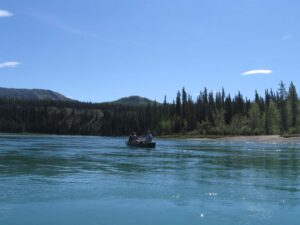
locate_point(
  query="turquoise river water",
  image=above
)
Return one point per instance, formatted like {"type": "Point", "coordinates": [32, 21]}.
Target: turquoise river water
{"type": "Point", "coordinates": [73, 180]}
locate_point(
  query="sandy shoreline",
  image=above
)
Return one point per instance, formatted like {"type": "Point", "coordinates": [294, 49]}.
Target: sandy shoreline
{"type": "Point", "coordinates": [261, 138]}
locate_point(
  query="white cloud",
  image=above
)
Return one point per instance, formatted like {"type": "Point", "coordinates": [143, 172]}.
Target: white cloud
{"type": "Point", "coordinates": [9, 64]}
{"type": "Point", "coordinates": [5, 13]}
{"type": "Point", "coordinates": [256, 72]}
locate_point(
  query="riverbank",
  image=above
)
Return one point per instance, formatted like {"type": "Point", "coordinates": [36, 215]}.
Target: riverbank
{"type": "Point", "coordinates": [295, 138]}
{"type": "Point", "coordinates": [257, 138]}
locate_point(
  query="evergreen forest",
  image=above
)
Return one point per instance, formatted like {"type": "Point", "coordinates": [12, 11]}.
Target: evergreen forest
{"type": "Point", "coordinates": [276, 112]}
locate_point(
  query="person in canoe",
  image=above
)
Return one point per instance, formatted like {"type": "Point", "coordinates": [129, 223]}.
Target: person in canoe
{"type": "Point", "coordinates": [141, 142]}
{"type": "Point", "coordinates": [133, 138]}
{"type": "Point", "coordinates": [148, 137]}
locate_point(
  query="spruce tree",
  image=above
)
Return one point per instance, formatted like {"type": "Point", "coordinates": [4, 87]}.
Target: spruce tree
{"type": "Point", "coordinates": [228, 110]}
{"type": "Point", "coordinates": [254, 119]}
{"type": "Point", "coordinates": [184, 104]}
{"type": "Point", "coordinates": [267, 115]}
{"type": "Point", "coordinates": [293, 105]}
{"type": "Point", "coordinates": [282, 95]}
{"type": "Point", "coordinates": [178, 104]}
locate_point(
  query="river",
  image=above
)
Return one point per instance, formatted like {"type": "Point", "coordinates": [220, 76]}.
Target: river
{"type": "Point", "coordinates": [72, 180]}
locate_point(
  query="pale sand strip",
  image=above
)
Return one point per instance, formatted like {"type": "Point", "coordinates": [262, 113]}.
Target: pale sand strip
{"type": "Point", "coordinates": [261, 138]}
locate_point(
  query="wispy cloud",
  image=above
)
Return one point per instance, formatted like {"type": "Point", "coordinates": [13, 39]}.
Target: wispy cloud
{"type": "Point", "coordinates": [286, 37]}
{"type": "Point", "coordinates": [5, 13]}
{"type": "Point", "coordinates": [256, 72]}
{"type": "Point", "coordinates": [56, 23]}
{"type": "Point", "coordinates": [9, 64]}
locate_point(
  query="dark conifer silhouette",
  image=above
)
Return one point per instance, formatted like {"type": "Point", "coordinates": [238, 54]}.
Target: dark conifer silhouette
{"type": "Point", "coordinates": [210, 113]}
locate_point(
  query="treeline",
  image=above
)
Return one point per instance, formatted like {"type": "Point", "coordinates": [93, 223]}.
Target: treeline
{"type": "Point", "coordinates": [50, 117]}
{"type": "Point", "coordinates": [277, 112]}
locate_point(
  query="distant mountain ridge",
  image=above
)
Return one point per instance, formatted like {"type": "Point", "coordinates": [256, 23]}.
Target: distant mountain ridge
{"type": "Point", "coordinates": [44, 94]}
{"type": "Point", "coordinates": [133, 100]}
{"type": "Point", "coordinates": [38, 94]}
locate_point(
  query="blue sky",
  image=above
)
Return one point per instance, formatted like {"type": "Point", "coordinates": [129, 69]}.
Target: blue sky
{"type": "Point", "coordinates": [100, 50]}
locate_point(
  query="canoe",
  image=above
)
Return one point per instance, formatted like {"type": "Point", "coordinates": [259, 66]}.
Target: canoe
{"type": "Point", "coordinates": [141, 144]}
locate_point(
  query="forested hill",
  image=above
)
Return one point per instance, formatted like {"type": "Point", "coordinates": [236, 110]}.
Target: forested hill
{"type": "Point", "coordinates": [132, 100]}
{"type": "Point", "coordinates": [276, 112]}
{"type": "Point", "coordinates": [31, 94]}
